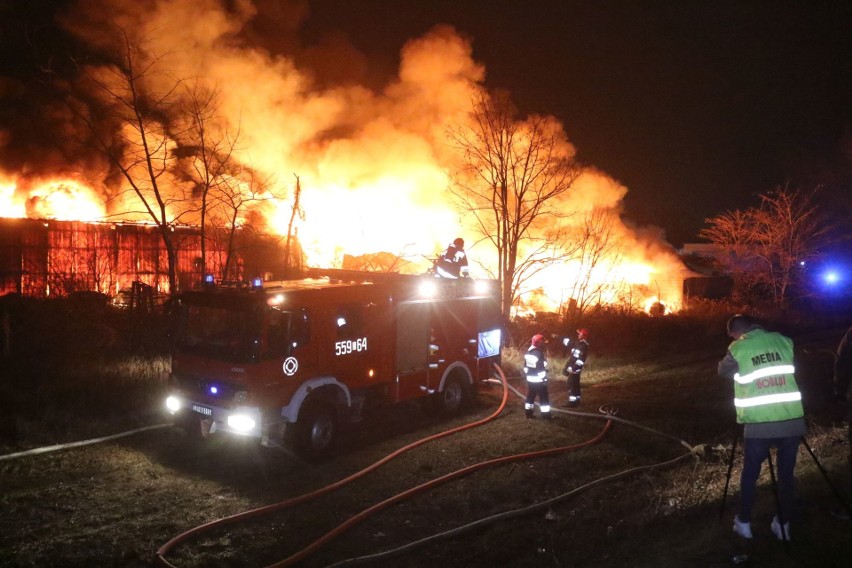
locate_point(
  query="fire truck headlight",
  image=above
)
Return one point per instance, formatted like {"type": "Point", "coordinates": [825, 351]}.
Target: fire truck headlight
{"type": "Point", "coordinates": [241, 422]}
{"type": "Point", "coordinates": [481, 286]}
{"type": "Point", "coordinates": [173, 404]}
{"type": "Point", "coordinates": [427, 289]}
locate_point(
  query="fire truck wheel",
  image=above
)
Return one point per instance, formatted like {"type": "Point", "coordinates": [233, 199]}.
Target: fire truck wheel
{"type": "Point", "coordinates": [453, 397]}
{"type": "Point", "coordinates": [316, 429]}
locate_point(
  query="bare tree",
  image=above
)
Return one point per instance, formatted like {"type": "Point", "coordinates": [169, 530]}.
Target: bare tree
{"type": "Point", "coordinates": [139, 144]}
{"type": "Point", "coordinates": [766, 245]}
{"type": "Point", "coordinates": [207, 150]}
{"type": "Point", "coordinates": [230, 205]}
{"type": "Point", "coordinates": [597, 246]}
{"type": "Point", "coordinates": [512, 173]}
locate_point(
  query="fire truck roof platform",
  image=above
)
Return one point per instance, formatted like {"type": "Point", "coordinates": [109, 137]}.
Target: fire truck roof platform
{"type": "Point", "coordinates": [421, 286]}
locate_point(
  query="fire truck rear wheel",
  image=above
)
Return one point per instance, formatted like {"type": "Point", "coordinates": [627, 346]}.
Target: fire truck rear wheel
{"type": "Point", "coordinates": [316, 429]}
{"type": "Point", "coordinates": [454, 396]}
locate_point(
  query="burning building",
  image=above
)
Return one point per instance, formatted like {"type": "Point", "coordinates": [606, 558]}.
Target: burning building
{"type": "Point", "coordinates": [49, 258]}
{"type": "Point", "coordinates": [374, 163]}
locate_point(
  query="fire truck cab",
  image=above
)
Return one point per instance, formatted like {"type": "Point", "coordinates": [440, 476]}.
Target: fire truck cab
{"type": "Point", "coordinates": [298, 360]}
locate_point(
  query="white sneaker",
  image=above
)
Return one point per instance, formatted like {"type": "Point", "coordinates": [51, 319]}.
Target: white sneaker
{"type": "Point", "coordinates": [741, 528]}
{"type": "Point", "coordinates": [776, 529]}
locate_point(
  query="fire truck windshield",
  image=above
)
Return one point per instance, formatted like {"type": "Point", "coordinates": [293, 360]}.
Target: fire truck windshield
{"type": "Point", "coordinates": [218, 332]}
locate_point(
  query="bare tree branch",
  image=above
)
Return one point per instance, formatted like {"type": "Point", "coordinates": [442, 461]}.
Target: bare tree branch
{"type": "Point", "coordinates": [511, 175]}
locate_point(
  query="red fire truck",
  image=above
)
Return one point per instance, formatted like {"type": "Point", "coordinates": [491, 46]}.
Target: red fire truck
{"type": "Point", "coordinates": [298, 360]}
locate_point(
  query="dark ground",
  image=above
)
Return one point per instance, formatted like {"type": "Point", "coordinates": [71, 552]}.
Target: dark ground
{"type": "Point", "coordinates": [116, 503]}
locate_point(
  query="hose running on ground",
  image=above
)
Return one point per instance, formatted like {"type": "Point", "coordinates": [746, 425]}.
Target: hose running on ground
{"type": "Point", "coordinates": [69, 445]}
{"type": "Point", "coordinates": [479, 523]}
{"type": "Point", "coordinates": [357, 518]}
{"type": "Point", "coordinates": [164, 550]}
{"type": "Point", "coordinates": [609, 417]}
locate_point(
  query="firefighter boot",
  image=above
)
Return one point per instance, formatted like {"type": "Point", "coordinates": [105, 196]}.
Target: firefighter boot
{"type": "Point", "coordinates": [528, 413]}
{"type": "Point", "coordinates": [546, 416]}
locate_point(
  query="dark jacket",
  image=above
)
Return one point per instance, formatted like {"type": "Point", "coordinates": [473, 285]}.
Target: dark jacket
{"type": "Point", "coordinates": [578, 350]}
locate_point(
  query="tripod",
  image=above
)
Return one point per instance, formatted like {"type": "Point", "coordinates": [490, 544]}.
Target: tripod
{"type": "Point", "coordinates": [822, 470]}
{"type": "Point", "coordinates": [840, 499]}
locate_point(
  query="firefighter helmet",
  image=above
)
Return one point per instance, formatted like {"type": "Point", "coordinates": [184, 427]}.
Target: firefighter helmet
{"type": "Point", "coordinates": [538, 340]}
{"type": "Point", "coordinates": [583, 333]}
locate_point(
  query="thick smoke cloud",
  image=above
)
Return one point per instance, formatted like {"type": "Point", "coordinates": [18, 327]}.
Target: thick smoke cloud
{"type": "Point", "coordinates": [370, 159]}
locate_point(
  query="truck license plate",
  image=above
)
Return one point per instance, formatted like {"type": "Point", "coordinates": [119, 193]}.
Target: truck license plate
{"type": "Point", "coordinates": [202, 410]}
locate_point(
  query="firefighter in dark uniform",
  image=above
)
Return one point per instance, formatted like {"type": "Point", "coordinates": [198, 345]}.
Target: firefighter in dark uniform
{"type": "Point", "coordinates": [535, 370]}
{"type": "Point", "coordinates": [578, 350]}
{"type": "Point", "coordinates": [453, 262]}
{"type": "Point", "coordinates": [769, 405]}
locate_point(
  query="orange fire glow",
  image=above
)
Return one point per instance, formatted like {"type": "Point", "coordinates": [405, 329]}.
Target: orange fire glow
{"type": "Point", "coordinates": [61, 199]}
{"type": "Point", "coordinates": [381, 186]}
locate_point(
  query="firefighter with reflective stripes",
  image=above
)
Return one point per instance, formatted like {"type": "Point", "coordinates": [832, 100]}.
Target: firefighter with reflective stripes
{"type": "Point", "coordinates": [578, 350]}
{"type": "Point", "coordinates": [535, 370]}
{"type": "Point", "coordinates": [769, 405]}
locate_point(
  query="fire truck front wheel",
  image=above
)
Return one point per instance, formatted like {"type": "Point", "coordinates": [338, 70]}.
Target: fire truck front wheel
{"type": "Point", "coordinates": [316, 429]}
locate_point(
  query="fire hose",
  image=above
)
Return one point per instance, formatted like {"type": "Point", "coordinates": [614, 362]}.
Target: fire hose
{"type": "Point", "coordinates": [163, 550]}
{"type": "Point", "coordinates": [314, 546]}
{"type": "Point", "coordinates": [479, 523]}
{"type": "Point", "coordinates": [317, 544]}
{"type": "Point", "coordinates": [46, 449]}
{"type": "Point", "coordinates": [605, 414]}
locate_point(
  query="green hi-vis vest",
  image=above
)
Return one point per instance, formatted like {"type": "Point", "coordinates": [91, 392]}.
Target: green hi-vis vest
{"type": "Point", "coordinates": [765, 388]}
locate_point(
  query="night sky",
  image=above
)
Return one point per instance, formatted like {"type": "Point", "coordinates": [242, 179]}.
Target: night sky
{"type": "Point", "coordinates": [696, 107]}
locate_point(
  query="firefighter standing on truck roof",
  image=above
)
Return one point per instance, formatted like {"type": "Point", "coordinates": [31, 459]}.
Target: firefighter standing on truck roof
{"type": "Point", "coordinates": [453, 262]}
{"type": "Point", "coordinates": [578, 350]}
{"type": "Point", "coordinates": [535, 370]}
{"type": "Point", "coordinates": [769, 404]}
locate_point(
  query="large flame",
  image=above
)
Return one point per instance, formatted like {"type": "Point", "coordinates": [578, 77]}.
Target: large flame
{"type": "Point", "coordinates": [374, 167]}
{"type": "Point", "coordinates": [61, 199]}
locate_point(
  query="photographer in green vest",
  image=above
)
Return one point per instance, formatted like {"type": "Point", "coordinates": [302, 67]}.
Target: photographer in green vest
{"type": "Point", "coordinates": [769, 406]}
